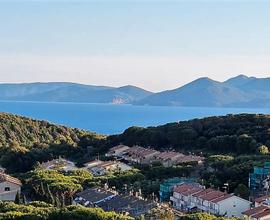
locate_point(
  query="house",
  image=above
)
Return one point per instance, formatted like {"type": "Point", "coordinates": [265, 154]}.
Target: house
{"type": "Point", "coordinates": [99, 167]}
{"type": "Point", "coordinates": [141, 155]}
{"type": "Point", "coordinates": [166, 187]}
{"type": "Point", "coordinates": [262, 200]}
{"type": "Point", "coordinates": [258, 213]}
{"type": "Point", "coordinates": [137, 154]}
{"type": "Point", "coordinates": [110, 200]}
{"type": "Point", "coordinates": [9, 187]}
{"type": "Point", "coordinates": [190, 159]}
{"type": "Point", "coordinates": [188, 197]}
{"type": "Point", "coordinates": [168, 158]}
{"type": "Point", "coordinates": [128, 204]}
{"type": "Point", "coordinates": [59, 164]}
{"type": "Point", "coordinates": [93, 197]}
{"type": "Point", "coordinates": [117, 151]}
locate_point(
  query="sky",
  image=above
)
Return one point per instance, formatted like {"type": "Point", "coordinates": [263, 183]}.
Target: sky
{"type": "Point", "coordinates": [156, 45]}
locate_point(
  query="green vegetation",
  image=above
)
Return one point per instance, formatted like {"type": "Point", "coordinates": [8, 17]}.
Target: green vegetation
{"type": "Point", "coordinates": [234, 134]}
{"type": "Point", "coordinates": [43, 211]}
{"type": "Point", "coordinates": [231, 170]}
{"type": "Point", "coordinates": [145, 178]}
{"type": "Point", "coordinates": [233, 145]}
{"type": "Point", "coordinates": [55, 187]}
{"type": "Point", "coordinates": [24, 141]}
{"type": "Point", "coordinates": [204, 216]}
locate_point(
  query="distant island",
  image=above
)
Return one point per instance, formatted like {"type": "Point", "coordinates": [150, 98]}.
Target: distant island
{"type": "Point", "coordinates": [240, 91]}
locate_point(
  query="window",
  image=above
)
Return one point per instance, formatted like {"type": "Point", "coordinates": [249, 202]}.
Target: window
{"type": "Point", "coordinates": [7, 188]}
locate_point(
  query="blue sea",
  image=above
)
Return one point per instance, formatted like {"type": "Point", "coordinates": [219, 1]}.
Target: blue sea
{"type": "Point", "coordinates": [113, 119]}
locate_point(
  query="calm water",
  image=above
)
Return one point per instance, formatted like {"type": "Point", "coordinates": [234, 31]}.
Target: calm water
{"type": "Point", "coordinates": [112, 119]}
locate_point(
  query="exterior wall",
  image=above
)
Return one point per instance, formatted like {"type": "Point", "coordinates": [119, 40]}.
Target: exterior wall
{"type": "Point", "coordinates": [233, 206]}
{"type": "Point", "coordinates": [257, 204]}
{"type": "Point", "coordinates": [265, 218]}
{"type": "Point", "coordinates": [12, 186]}
{"type": "Point", "coordinates": [9, 195]}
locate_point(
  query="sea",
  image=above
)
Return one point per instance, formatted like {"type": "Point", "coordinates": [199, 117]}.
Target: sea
{"type": "Point", "coordinates": [113, 119]}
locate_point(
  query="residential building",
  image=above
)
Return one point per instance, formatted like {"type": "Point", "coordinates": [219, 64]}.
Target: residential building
{"type": "Point", "coordinates": [110, 200]}
{"type": "Point", "coordinates": [59, 164]}
{"type": "Point", "coordinates": [188, 197]}
{"type": "Point", "coordinates": [258, 213]}
{"type": "Point", "coordinates": [99, 167]}
{"type": "Point", "coordinates": [9, 187]}
{"type": "Point", "coordinates": [166, 188]}
{"type": "Point", "coordinates": [190, 159]}
{"type": "Point", "coordinates": [117, 151]}
{"type": "Point", "coordinates": [168, 158]}
{"type": "Point", "coordinates": [93, 197]}
{"type": "Point", "coordinates": [140, 155]}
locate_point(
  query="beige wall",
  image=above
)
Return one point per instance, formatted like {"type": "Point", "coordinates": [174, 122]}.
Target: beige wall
{"type": "Point", "coordinates": [8, 195]}
{"type": "Point", "coordinates": [233, 206]}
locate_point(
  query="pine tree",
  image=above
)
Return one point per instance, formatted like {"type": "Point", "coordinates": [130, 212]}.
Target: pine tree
{"type": "Point", "coordinates": [18, 198]}
{"type": "Point", "coordinates": [24, 201]}
{"type": "Point", "coordinates": [50, 195]}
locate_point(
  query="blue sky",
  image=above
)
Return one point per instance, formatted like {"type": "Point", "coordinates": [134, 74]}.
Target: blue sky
{"type": "Point", "coordinates": [153, 44]}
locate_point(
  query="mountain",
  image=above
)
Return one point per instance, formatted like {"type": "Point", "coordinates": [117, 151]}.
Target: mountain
{"type": "Point", "coordinates": [70, 92]}
{"type": "Point", "coordinates": [240, 91]}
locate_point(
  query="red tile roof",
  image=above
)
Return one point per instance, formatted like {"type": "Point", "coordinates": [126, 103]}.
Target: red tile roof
{"type": "Point", "coordinates": [256, 210]}
{"type": "Point", "coordinates": [262, 199]}
{"type": "Point", "coordinates": [262, 214]}
{"type": "Point", "coordinates": [169, 155]}
{"type": "Point", "coordinates": [226, 196]}
{"type": "Point", "coordinates": [118, 147]}
{"type": "Point", "coordinates": [140, 151]}
{"type": "Point", "coordinates": [7, 178]}
{"type": "Point", "coordinates": [209, 194]}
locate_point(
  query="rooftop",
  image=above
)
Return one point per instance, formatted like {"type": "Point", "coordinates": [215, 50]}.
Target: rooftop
{"type": "Point", "coordinates": [258, 212]}
{"type": "Point", "coordinates": [7, 178]}
{"type": "Point", "coordinates": [199, 191]}
{"type": "Point", "coordinates": [95, 195]}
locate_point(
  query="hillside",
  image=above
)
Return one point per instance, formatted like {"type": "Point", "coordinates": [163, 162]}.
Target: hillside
{"type": "Point", "coordinates": [25, 141]}
{"type": "Point", "coordinates": [70, 92]}
{"type": "Point", "coordinates": [236, 134]}
{"type": "Point", "coordinates": [240, 91]}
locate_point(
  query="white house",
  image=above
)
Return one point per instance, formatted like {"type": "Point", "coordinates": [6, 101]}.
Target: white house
{"type": "Point", "coordinates": [193, 196]}
{"type": "Point", "coordinates": [9, 187]}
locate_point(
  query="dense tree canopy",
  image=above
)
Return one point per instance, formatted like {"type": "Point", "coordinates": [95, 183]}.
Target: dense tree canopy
{"type": "Point", "coordinates": [43, 211]}
{"type": "Point", "coordinates": [237, 134]}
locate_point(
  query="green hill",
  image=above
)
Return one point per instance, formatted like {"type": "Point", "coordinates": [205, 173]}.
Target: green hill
{"type": "Point", "coordinates": [25, 141]}
{"type": "Point", "coordinates": [237, 134]}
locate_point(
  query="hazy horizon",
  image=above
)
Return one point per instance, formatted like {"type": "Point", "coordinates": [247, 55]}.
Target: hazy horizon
{"type": "Point", "coordinates": [155, 45]}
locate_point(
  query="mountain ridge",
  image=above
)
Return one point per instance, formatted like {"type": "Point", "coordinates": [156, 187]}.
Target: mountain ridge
{"type": "Point", "coordinates": [239, 91]}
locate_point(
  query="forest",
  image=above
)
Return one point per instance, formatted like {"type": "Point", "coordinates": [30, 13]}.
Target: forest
{"type": "Point", "coordinates": [231, 134]}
